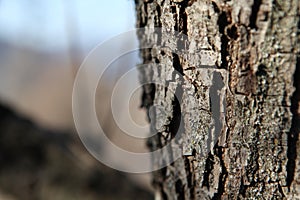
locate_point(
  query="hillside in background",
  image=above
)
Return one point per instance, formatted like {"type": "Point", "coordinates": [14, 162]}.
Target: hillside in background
{"type": "Point", "coordinates": [40, 164]}
{"type": "Point", "coordinates": [41, 155]}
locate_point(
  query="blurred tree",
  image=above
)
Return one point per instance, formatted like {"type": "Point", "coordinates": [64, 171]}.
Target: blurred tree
{"type": "Point", "coordinates": [253, 48]}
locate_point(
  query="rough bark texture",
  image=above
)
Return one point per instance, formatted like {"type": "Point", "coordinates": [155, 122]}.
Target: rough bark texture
{"type": "Point", "coordinates": [254, 47]}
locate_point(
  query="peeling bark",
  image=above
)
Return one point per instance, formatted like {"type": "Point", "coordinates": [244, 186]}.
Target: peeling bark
{"type": "Point", "coordinates": [253, 47]}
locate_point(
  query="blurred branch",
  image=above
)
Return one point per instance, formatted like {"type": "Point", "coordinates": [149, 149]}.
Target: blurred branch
{"type": "Point", "coordinates": [72, 34]}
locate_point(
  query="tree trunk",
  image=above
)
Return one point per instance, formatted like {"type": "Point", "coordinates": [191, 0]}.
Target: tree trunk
{"type": "Point", "coordinates": [240, 140]}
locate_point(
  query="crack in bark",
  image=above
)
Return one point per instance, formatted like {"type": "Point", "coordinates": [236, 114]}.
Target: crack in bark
{"type": "Point", "coordinates": [158, 21]}
{"type": "Point", "coordinates": [148, 96]}
{"type": "Point", "coordinates": [189, 177]}
{"type": "Point", "coordinates": [253, 16]}
{"type": "Point", "coordinates": [223, 22]}
{"type": "Point", "coordinates": [223, 174]}
{"type": "Point", "coordinates": [183, 16]}
{"type": "Point", "coordinates": [176, 122]}
{"type": "Point", "coordinates": [295, 128]}
{"type": "Point", "coordinates": [208, 169]}
{"type": "Point", "coordinates": [179, 189]}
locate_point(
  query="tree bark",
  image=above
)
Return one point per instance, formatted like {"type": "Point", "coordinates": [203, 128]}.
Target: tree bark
{"type": "Point", "coordinates": [254, 48]}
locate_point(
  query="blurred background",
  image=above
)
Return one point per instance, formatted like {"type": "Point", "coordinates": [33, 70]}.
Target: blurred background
{"type": "Point", "coordinates": [42, 45]}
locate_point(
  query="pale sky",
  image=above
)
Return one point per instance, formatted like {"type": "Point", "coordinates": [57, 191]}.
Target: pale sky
{"type": "Point", "coordinates": [53, 23]}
